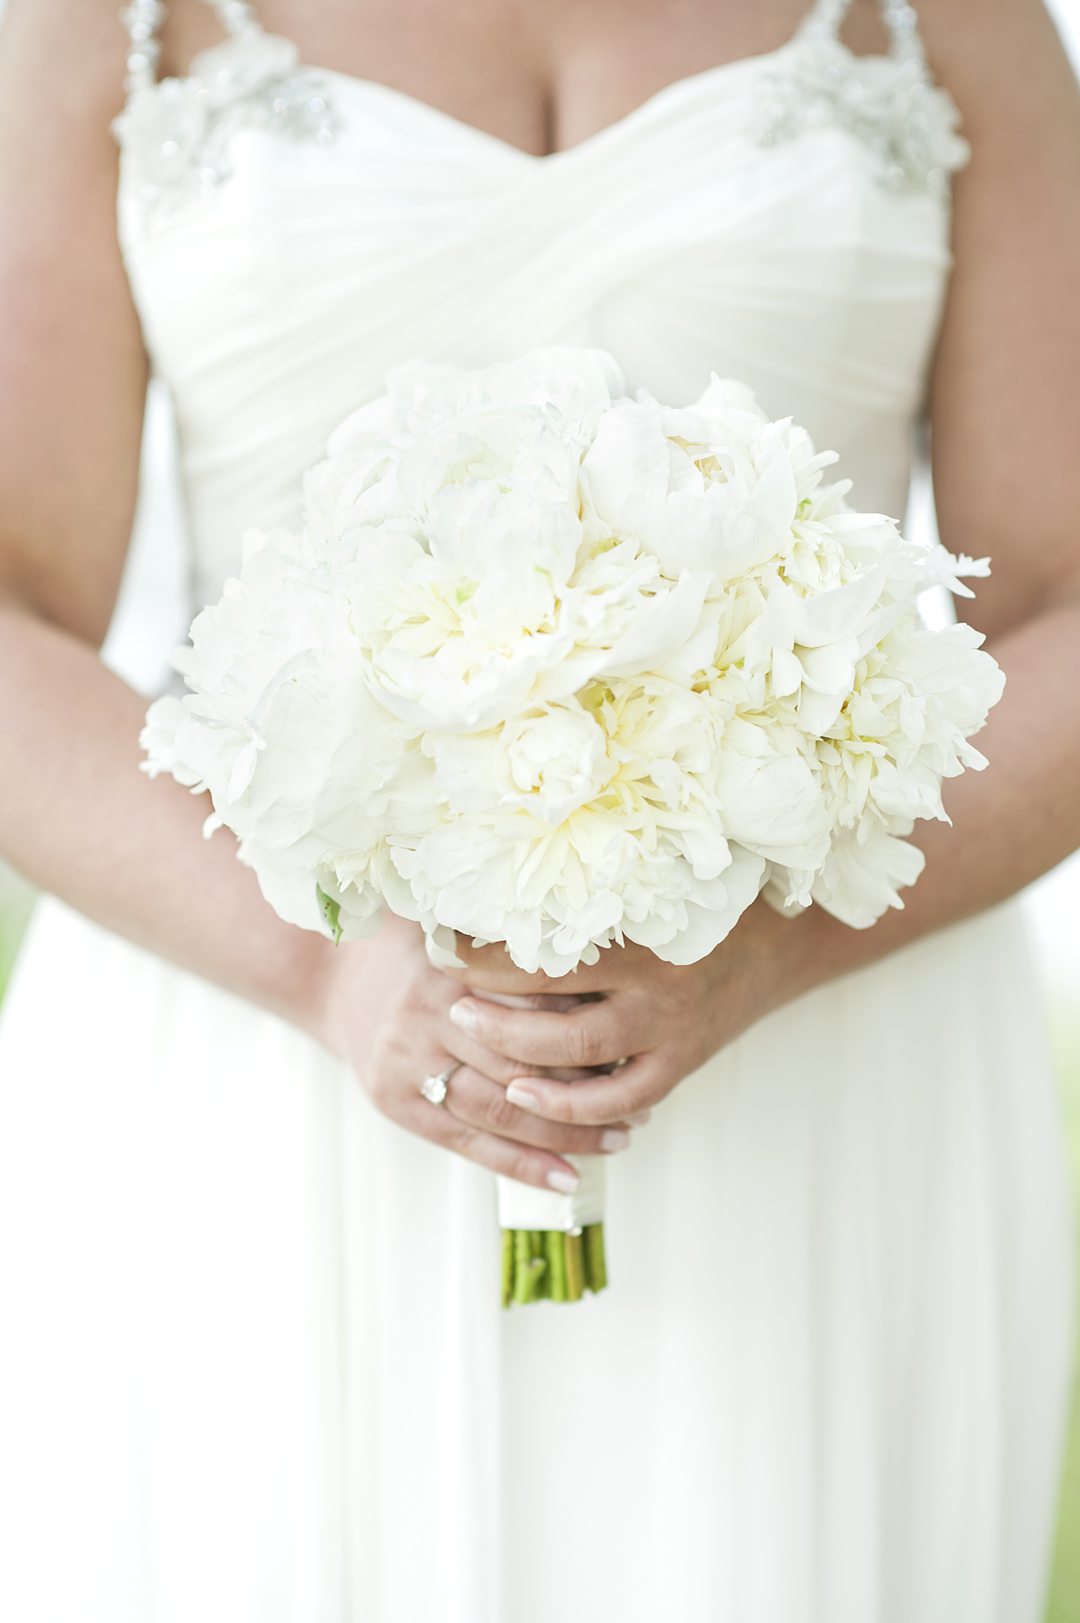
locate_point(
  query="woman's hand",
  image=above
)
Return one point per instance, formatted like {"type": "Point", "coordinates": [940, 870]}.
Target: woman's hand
{"type": "Point", "coordinates": [385, 1010]}
{"type": "Point", "coordinates": [655, 1022]}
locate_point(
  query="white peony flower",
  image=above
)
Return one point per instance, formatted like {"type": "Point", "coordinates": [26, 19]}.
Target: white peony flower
{"type": "Point", "coordinates": [280, 726]}
{"type": "Point", "coordinates": [557, 761]}
{"type": "Point", "coordinates": [861, 878]}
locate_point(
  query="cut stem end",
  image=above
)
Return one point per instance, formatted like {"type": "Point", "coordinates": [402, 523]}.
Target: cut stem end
{"type": "Point", "coordinates": [550, 1265]}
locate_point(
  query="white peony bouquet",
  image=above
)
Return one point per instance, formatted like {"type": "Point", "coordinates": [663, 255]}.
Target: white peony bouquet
{"type": "Point", "coordinates": [558, 666]}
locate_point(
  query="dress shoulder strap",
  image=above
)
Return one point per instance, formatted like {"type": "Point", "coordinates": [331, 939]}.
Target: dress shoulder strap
{"type": "Point", "coordinates": [143, 19]}
{"type": "Point", "coordinates": [888, 101]}
{"type": "Point", "coordinates": [826, 18]}
{"type": "Point", "coordinates": [176, 133]}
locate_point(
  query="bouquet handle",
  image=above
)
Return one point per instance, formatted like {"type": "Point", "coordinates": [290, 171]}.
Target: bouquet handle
{"type": "Point", "coordinates": [553, 1244]}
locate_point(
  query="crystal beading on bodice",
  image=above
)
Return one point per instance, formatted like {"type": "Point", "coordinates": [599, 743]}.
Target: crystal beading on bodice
{"type": "Point", "coordinates": [890, 103]}
{"type": "Point", "coordinates": [179, 131]}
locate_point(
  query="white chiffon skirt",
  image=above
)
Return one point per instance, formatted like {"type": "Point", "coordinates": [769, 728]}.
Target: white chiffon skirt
{"type": "Point", "coordinates": [253, 1367]}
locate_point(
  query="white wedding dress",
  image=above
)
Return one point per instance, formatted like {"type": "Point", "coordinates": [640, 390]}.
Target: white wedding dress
{"type": "Point", "coordinates": [253, 1367]}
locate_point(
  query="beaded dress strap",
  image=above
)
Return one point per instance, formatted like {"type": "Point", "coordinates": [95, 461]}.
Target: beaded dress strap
{"type": "Point", "coordinates": [143, 19]}
{"type": "Point", "coordinates": [826, 18]}
{"type": "Point", "coordinates": [176, 134]}
{"type": "Point", "coordinates": [887, 101]}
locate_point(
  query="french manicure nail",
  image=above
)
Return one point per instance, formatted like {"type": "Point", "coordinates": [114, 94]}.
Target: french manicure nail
{"type": "Point", "coordinates": [521, 1097]}
{"type": "Point", "coordinates": [463, 1014]}
{"type": "Point", "coordinates": [640, 1118]}
{"type": "Point", "coordinates": [614, 1138]}
{"type": "Point", "coordinates": [564, 1182]}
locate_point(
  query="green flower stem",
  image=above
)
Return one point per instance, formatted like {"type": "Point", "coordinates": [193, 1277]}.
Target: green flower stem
{"type": "Point", "coordinates": [538, 1285]}
{"type": "Point", "coordinates": [556, 1256]}
{"type": "Point", "coordinates": [537, 1266]}
{"type": "Point", "coordinates": [575, 1268]}
{"type": "Point", "coordinates": [507, 1267]}
{"type": "Point", "coordinates": [522, 1258]}
{"type": "Point", "coordinates": [595, 1260]}
{"type": "Point", "coordinates": [550, 1265]}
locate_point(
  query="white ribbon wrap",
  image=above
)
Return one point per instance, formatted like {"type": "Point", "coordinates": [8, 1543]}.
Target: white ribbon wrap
{"type": "Point", "coordinates": [521, 1206]}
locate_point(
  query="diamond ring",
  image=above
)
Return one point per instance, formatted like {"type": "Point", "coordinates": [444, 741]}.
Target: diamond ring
{"type": "Point", "coordinates": [434, 1087]}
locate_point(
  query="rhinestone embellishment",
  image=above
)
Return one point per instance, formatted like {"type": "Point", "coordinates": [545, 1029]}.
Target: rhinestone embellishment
{"type": "Point", "coordinates": [177, 133]}
{"type": "Point", "coordinates": [142, 19]}
{"type": "Point", "coordinates": [889, 103]}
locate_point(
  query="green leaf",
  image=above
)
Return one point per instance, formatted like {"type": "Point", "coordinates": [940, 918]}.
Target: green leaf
{"type": "Point", "coordinates": [331, 912]}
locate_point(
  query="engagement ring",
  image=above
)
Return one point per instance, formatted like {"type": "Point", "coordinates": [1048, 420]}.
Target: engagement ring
{"type": "Point", "coordinates": [434, 1087]}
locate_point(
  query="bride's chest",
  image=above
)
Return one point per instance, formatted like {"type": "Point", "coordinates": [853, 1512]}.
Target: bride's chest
{"type": "Point", "coordinates": [292, 179]}
{"type": "Point", "coordinates": [541, 79]}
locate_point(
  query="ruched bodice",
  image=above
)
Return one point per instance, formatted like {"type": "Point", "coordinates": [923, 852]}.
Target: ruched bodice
{"type": "Point", "coordinates": [685, 238]}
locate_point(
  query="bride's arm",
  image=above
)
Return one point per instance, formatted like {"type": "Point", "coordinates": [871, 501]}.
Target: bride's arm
{"type": "Point", "coordinates": [1005, 416]}
{"type": "Point", "coordinates": [76, 815]}
{"type": "Point", "coordinates": [1005, 411]}
{"type": "Point", "coordinates": [1005, 448]}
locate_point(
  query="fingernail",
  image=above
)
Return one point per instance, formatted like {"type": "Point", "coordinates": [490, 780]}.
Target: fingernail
{"type": "Point", "coordinates": [520, 1096]}
{"type": "Point", "coordinates": [463, 1014]}
{"type": "Point", "coordinates": [641, 1118]}
{"type": "Point", "coordinates": [614, 1138]}
{"type": "Point", "coordinates": [564, 1182]}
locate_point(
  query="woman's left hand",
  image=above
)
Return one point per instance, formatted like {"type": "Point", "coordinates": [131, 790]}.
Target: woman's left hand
{"type": "Point", "coordinates": [656, 1022]}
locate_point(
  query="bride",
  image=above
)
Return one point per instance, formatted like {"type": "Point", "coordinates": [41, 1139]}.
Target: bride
{"type": "Point", "coordinates": [252, 1366]}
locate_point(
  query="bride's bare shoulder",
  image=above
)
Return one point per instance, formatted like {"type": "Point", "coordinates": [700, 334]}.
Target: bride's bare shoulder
{"type": "Point", "coordinates": [72, 368]}
{"type": "Point", "coordinates": [62, 71]}
{"type": "Point", "coordinates": [67, 59]}
{"type": "Point", "coordinates": [1005, 364]}
{"type": "Point", "coordinates": [1006, 65]}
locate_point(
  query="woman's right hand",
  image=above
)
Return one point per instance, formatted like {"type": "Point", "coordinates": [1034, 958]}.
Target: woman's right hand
{"type": "Point", "coordinates": [385, 1010]}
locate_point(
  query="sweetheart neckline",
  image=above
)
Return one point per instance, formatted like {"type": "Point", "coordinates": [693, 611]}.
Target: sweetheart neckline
{"type": "Point", "coordinates": [801, 40]}
{"type": "Point", "coordinates": [686, 82]}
